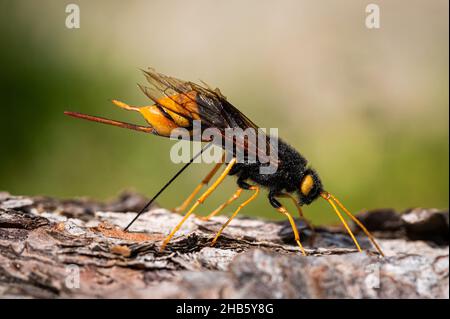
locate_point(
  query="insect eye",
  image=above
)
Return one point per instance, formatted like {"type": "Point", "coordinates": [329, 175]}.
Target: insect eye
{"type": "Point", "coordinates": [307, 184]}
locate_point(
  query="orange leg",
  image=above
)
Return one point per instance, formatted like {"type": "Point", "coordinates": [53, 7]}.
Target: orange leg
{"type": "Point", "coordinates": [200, 201]}
{"type": "Point", "coordinates": [294, 228]}
{"type": "Point", "coordinates": [299, 208]}
{"type": "Point", "coordinates": [256, 189]}
{"type": "Point", "coordinates": [235, 196]}
{"type": "Point", "coordinates": [302, 217]}
{"type": "Point", "coordinates": [205, 181]}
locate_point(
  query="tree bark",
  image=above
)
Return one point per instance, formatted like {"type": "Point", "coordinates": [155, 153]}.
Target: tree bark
{"type": "Point", "coordinates": [52, 248]}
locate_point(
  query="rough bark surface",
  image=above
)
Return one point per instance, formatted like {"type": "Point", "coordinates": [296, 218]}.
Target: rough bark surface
{"type": "Point", "coordinates": [46, 243]}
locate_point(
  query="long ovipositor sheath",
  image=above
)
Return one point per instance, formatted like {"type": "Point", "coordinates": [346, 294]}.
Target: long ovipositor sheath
{"type": "Point", "coordinates": [103, 120]}
{"type": "Point", "coordinates": [144, 129]}
{"type": "Point", "coordinates": [167, 184]}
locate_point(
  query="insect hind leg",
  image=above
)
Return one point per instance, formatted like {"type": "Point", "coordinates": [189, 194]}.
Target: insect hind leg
{"type": "Point", "coordinates": [242, 185]}
{"type": "Point", "coordinates": [205, 181]}
{"type": "Point", "coordinates": [255, 194]}
{"type": "Point", "coordinates": [199, 201]}
{"type": "Point", "coordinates": [235, 196]}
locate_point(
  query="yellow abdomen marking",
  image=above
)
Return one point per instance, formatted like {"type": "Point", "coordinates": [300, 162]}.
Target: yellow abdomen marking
{"type": "Point", "coordinates": [306, 185]}
{"type": "Point", "coordinates": [157, 120]}
{"type": "Point", "coordinates": [169, 113]}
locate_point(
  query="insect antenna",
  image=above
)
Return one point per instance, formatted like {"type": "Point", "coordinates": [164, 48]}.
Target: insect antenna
{"type": "Point", "coordinates": [167, 184]}
{"type": "Point", "coordinates": [331, 199]}
{"type": "Point", "coordinates": [357, 222]}
{"type": "Point", "coordinates": [327, 197]}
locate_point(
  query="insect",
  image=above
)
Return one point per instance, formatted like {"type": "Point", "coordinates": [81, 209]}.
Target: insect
{"type": "Point", "coordinates": [177, 104]}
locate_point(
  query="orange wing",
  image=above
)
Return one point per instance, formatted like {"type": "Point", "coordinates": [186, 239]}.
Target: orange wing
{"type": "Point", "coordinates": [185, 102]}
{"type": "Point", "coordinates": [177, 104]}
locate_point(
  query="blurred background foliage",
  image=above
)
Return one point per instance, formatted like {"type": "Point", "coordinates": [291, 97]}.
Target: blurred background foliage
{"type": "Point", "coordinates": [368, 108]}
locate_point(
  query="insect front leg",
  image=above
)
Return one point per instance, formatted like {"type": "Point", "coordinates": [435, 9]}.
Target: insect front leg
{"type": "Point", "coordinates": [280, 208]}
{"type": "Point", "coordinates": [302, 217]}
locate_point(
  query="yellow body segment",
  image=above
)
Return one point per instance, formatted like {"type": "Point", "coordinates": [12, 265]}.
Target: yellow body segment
{"type": "Point", "coordinates": [306, 185]}
{"type": "Point", "coordinates": [178, 119]}
{"type": "Point", "coordinates": [169, 113]}
{"type": "Point", "coordinates": [157, 120]}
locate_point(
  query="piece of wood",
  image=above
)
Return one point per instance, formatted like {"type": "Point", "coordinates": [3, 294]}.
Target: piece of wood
{"type": "Point", "coordinates": [53, 248]}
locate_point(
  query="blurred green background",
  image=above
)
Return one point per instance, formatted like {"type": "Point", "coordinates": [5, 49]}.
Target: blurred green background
{"type": "Point", "coordinates": [368, 108]}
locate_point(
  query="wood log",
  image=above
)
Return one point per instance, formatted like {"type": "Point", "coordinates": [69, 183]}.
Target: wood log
{"type": "Point", "coordinates": [52, 248]}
